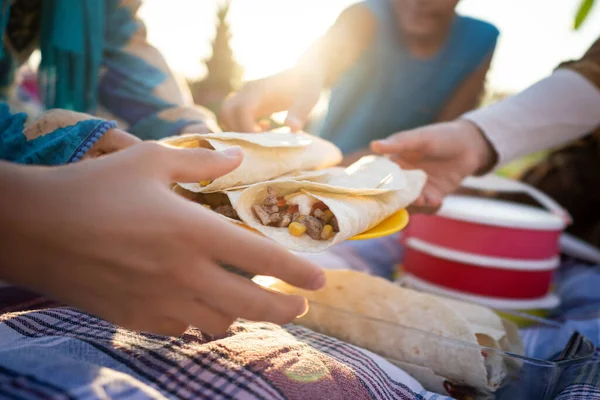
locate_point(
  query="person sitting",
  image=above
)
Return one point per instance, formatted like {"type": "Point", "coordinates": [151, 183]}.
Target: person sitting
{"type": "Point", "coordinates": [392, 66]}
{"type": "Point", "coordinates": [97, 73]}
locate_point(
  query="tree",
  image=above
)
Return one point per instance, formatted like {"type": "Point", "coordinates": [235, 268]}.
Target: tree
{"type": "Point", "coordinates": [224, 73]}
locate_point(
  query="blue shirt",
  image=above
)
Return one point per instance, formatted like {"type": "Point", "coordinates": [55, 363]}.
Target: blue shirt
{"type": "Point", "coordinates": [388, 90]}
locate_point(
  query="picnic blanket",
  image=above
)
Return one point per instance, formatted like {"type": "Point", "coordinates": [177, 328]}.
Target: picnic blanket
{"type": "Point", "coordinates": [577, 284]}
{"type": "Point", "coordinates": [48, 351]}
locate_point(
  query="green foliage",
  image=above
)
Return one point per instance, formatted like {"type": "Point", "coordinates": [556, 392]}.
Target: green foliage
{"type": "Point", "coordinates": [582, 13]}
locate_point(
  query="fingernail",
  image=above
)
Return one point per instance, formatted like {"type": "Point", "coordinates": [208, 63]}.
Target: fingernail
{"type": "Point", "coordinates": [319, 281]}
{"type": "Point", "coordinates": [305, 309]}
{"type": "Point", "coordinates": [233, 152]}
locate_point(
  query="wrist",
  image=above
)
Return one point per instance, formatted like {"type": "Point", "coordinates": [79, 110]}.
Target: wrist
{"type": "Point", "coordinates": [483, 155]}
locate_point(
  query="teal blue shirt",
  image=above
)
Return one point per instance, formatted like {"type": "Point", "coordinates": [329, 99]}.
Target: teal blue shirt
{"type": "Point", "coordinates": [388, 90]}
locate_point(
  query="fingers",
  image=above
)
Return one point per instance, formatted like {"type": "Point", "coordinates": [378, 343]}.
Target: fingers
{"type": "Point", "coordinates": [236, 296]}
{"type": "Point", "coordinates": [260, 256]}
{"type": "Point", "coordinates": [245, 119]}
{"type": "Point", "coordinates": [429, 202]}
{"type": "Point", "coordinates": [402, 143]}
{"type": "Point", "coordinates": [187, 165]}
{"type": "Point", "coordinates": [300, 109]}
{"type": "Point", "coordinates": [112, 141]}
{"type": "Point", "coordinates": [237, 113]}
{"type": "Point", "coordinates": [200, 315]}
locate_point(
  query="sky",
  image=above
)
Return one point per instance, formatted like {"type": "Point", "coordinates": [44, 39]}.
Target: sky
{"type": "Point", "coordinates": [269, 35]}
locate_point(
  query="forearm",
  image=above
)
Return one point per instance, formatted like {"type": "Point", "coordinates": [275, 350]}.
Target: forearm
{"type": "Point", "coordinates": [18, 187]}
{"type": "Point", "coordinates": [556, 110]}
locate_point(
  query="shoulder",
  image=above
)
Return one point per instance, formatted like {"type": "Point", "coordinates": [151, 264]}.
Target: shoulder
{"type": "Point", "coordinates": [474, 28]}
{"type": "Point", "coordinates": [378, 10]}
{"type": "Point", "coordinates": [360, 12]}
{"type": "Point", "coordinates": [358, 20]}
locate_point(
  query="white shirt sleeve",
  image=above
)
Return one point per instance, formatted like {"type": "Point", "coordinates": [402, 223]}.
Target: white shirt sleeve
{"type": "Point", "coordinates": [556, 110]}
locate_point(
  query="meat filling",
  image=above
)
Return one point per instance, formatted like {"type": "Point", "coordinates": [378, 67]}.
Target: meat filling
{"type": "Point", "coordinates": [299, 213]}
{"type": "Point", "coordinates": [217, 202]}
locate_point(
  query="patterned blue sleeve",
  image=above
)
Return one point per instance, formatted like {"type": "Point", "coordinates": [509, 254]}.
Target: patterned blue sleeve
{"type": "Point", "coordinates": [137, 87]}
{"type": "Point", "coordinates": [61, 146]}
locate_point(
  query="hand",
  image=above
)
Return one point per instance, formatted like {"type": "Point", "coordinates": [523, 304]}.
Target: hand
{"type": "Point", "coordinates": [448, 152]}
{"type": "Point", "coordinates": [259, 99]}
{"type": "Point", "coordinates": [109, 236]}
{"type": "Point", "coordinates": [112, 141]}
{"type": "Point", "coordinates": [200, 128]}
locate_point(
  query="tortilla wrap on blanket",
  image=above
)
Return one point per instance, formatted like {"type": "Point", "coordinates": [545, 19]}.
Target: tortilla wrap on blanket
{"type": "Point", "coordinates": [366, 301]}
{"type": "Point", "coordinates": [357, 208]}
{"type": "Point", "coordinates": [266, 156]}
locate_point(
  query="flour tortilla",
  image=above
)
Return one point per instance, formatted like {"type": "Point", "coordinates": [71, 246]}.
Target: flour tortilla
{"type": "Point", "coordinates": [356, 210]}
{"type": "Point", "coordinates": [266, 156]}
{"type": "Point", "coordinates": [455, 323]}
{"type": "Point", "coordinates": [233, 196]}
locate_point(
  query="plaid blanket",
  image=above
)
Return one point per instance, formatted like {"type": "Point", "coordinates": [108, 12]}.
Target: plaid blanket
{"type": "Point", "coordinates": [48, 351]}
{"type": "Point", "coordinates": [53, 352]}
{"type": "Point", "coordinates": [576, 285]}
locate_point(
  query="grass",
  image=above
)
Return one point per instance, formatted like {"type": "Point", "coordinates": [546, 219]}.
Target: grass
{"type": "Point", "coordinates": [516, 168]}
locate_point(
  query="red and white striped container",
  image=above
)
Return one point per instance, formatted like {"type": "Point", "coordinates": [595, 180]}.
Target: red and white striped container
{"type": "Point", "coordinates": [487, 247]}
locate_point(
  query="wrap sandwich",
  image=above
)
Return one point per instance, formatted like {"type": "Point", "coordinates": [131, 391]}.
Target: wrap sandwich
{"type": "Point", "coordinates": [312, 214]}
{"type": "Point", "coordinates": [436, 339]}
{"type": "Point", "coordinates": [266, 156]}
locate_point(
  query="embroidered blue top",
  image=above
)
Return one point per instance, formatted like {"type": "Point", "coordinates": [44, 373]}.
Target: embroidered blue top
{"type": "Point", "coordinates": [388, 90]}
{"type": "Point", "coordinates": [95, 60]}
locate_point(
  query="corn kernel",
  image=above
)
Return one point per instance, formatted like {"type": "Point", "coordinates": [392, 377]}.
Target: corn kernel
{"type": "Point", "coordinates": [297, 229]}
{"type": "Point", "coordinates": [327, 217]}
{"type": "Point", "coordinates": [327, 232]}
{"type": "Point", "coordinates": [204, 183]}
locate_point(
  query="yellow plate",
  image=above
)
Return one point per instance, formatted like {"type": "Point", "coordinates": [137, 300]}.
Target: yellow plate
{"type": "Point", "coordinates": [523, 322]}
{"type": "Point", "coordinates": [393, 224]}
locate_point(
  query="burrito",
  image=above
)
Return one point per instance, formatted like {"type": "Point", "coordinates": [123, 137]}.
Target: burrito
{"type": "Point", "coordinates": [431, 337]}
{"type": "Point", "coordinates": [267, 156]}
{"type": "Point", "coordinates": [313, 216]}
{"type": "Point", "coordinates": [311, 213]}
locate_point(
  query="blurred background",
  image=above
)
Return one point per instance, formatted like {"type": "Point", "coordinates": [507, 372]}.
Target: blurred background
{"type": "Point", "coordinates": [268, 35]}
{"type": "Point", "coordinates": [217, 44]}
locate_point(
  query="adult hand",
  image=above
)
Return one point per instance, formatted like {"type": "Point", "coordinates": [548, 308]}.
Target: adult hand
{"type": "Point", "coordinates": [260, 99]}
{"type": "Point", "coordinates": [110, 237]}
{"type": "Point", "coordinates": [448, 152]}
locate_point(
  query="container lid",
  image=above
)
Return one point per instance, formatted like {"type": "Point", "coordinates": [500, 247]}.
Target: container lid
{"type": "Point", "coordinates": [481, 260]}
{"type": "Point", "coordinates": [543, 303]}
{"type": "Point", "coordinates": [499, 213]}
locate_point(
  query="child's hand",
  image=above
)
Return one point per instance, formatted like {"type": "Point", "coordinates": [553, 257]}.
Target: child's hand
{"type": "Point", "coordinates": [448, 152]}
{"type": "Point", "coordinates": [257, 100]}
{"type": "Point", "coordinates": [111, 141]}
{"type": "Point", "coordinates": [110, 237]}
